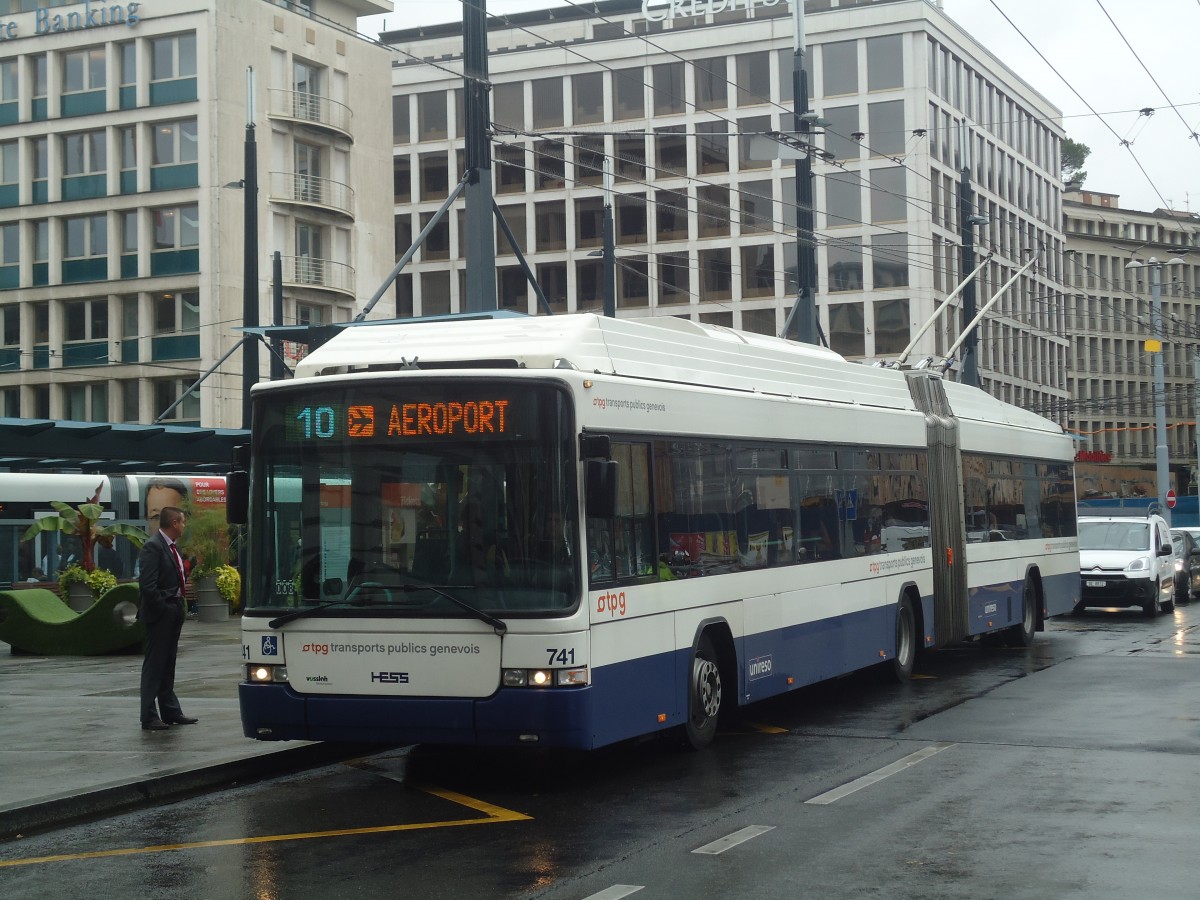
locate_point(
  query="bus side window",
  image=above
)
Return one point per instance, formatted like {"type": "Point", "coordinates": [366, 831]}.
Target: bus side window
{"type": "Point", "coordinates": [623, 546]}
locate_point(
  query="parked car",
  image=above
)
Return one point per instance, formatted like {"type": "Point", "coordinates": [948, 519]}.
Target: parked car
{"type": "Point", "coordinates": [1187, 565]}
{"type": "Point", "coordinates": [1126, 561]}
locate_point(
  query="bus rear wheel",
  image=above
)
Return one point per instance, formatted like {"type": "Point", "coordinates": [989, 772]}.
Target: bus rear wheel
{"type": "Point", "coordinates": [1022, 635]}
{"type": "Point", "coordinates": [899, 669]}
{"type": "Point", "coordinates": [704, 695]}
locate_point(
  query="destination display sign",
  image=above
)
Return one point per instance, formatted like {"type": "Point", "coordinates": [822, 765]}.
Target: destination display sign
{"type": "Point", "coordinates": [480, 417]}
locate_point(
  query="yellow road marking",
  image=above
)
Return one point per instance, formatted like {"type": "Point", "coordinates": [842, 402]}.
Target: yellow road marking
{"type": "Point", "coordinates": [492, 812]}
{"type": "Point", "coordinates": [765, 729]}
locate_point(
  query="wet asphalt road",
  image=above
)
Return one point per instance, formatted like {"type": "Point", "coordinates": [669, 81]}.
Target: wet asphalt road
{"type": "Point", "coordinates": [1065, 770]}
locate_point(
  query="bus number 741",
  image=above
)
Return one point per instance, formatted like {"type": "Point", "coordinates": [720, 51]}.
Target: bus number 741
{"type": "Point", "coordinates": [561, 657]}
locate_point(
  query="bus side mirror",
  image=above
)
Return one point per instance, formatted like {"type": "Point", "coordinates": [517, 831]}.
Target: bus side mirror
{"type": "Point", "coordinates": [601, 488]}
{"type": "Point", "coordinates": [595, 446]}
{"type": "Point", "coordinates": [237, 487]}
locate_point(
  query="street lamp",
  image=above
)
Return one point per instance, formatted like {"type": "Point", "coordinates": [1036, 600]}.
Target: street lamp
{"type": "Point", "coordinates": [1161, 464]}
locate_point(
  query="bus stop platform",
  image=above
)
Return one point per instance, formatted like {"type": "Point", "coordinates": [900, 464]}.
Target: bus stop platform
{"type": "Point", "coordinates": [72, 746]}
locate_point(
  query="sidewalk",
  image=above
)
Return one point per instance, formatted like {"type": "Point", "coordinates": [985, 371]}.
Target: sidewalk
{"type": "Point", "coordinates": [71, 744]}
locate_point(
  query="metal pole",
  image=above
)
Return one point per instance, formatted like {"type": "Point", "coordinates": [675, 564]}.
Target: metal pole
{"type": "Point", "coordinates": [278, 369]}
{"type": "Point", "coordinates": [966, 231]}
{"type": "Point", "coordinates": [1196, 432]}
{"type": "Point", "coordinates": [802, 323]}
{"type": "Point", "coordinates": [610, 244]}
{"type": "Point", "coordinates": [250, 250]}
{"type": "Point", "coordinates": [1161, 463]}
{"type": "Point", "coordinates": [480, 241]}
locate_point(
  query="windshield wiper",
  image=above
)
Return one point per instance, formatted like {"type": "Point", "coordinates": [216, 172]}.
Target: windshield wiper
{"type": "Point", "coordinates": [352, 599]}
{"type": "Point", "coordinates": [498, 625]}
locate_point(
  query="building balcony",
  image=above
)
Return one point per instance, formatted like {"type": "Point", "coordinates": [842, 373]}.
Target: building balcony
{"type": "Point", "coordinates": [311, 191]}
{"type": "Point", "coordinates": [312, 110]}
{"type": "Point", "coordinates": [322, 274]}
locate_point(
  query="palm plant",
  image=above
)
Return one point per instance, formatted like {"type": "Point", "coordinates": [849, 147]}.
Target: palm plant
{"type": "Point", "coordinates": [83, 522]}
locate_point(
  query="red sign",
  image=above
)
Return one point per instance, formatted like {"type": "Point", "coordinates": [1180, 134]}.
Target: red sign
{"type": "Point", "coordinates": [1170, 499]}
{"type": "Point", "coordinates": [1096, 456]}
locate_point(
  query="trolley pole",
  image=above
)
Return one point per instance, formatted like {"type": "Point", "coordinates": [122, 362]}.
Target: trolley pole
{"type": "Point", "coordinates": [481, 234]}
{"type": "Point", "coordinates": [802, 324]}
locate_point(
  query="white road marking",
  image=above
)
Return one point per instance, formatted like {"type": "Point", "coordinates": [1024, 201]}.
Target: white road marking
{"type": "Point", "coordinates": [616, 892]}
{"type": "Point", "coordinates": [732, 840]}
{"type": "Point", "coordinates": [867, 780]}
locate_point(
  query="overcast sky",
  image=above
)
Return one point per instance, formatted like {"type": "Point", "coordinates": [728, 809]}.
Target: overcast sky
{"type": "Point", "coordinates": [1086, 49]}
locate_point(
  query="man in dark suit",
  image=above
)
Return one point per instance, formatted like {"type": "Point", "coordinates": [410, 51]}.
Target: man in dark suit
{"type": "Point", "coordinates": [163, 585]}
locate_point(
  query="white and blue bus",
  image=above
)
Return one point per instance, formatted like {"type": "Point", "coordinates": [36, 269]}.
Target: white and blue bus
{"type": "Point", "coordinates": [569, 531]}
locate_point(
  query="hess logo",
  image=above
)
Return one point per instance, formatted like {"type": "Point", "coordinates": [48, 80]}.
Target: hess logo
{"type": "Point", "coordinates": [390, 677]}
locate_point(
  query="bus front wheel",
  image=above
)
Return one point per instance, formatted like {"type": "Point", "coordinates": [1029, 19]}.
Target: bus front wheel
{"type": "Point", "coordinates": [704, 695]}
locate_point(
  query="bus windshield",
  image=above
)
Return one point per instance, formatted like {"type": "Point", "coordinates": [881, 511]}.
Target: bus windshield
{"type": "Point", "coordinates": [384, 497]}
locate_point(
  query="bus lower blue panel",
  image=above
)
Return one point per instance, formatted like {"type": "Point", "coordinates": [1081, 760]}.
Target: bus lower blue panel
{"type": "Point", "coordinates": [994, 606]}
{"type": "Point", "coordinates": [558, 717]}
{"type": "Point", "coordinates": [629, 697]}
{"type": "Point", "coordinates": [1061, 592]}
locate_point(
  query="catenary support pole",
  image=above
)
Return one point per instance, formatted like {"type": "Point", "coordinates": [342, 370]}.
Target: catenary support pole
{"type": "Point", "coordinates": [250, 252]}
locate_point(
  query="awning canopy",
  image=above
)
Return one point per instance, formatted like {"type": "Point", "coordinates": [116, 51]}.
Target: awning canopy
{"type": "Point", "coordinates": [51, 445]}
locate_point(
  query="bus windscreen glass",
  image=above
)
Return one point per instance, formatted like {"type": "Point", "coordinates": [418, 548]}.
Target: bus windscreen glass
{"type": "Point", "coordinates": [381, 498]}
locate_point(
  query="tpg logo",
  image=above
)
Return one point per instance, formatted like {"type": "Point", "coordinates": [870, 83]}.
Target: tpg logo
{"type": "Point", "coordinates": [612, 603]}
{"type": "Point", "coordinates": [390, 677]}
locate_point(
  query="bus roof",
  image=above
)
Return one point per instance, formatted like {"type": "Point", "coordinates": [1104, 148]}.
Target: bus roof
{"type": "Point", "coordinates": [660, 349]}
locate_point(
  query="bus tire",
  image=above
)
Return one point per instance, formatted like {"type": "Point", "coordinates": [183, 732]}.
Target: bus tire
{"type": "Point", "coordinates": [1022, 635]}
{"type": "Point", "coordinates": [899, 669]}
{"type": "Point", "coordinates": [704, 695]}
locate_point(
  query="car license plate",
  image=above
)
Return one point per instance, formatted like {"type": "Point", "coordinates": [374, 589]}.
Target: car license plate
{"type": "Point", "coordinates": [1094, 583]}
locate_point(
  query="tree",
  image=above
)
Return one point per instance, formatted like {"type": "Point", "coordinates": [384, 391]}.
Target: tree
{"type": "Point", "coordinates": [81, 521]}
{"type": "Point", "coordinates": [1072, 157]}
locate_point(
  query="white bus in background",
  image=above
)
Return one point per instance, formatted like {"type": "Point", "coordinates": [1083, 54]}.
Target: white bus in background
{"type": "Point", "coordinates": [132, 499]}
{"type": "Point", "coordinates": [568, 531]}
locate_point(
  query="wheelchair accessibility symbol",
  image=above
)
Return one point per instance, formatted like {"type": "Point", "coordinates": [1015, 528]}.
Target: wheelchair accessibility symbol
{"type": "Point", "coordinates": [270, 645]}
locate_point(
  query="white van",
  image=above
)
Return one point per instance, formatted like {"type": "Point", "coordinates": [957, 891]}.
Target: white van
{"type": "Point", "coordinates": [1126, 561]}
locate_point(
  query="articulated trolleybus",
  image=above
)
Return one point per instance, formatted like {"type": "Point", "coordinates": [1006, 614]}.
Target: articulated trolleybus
{"type": "Point", "coordinates": [568, 531]}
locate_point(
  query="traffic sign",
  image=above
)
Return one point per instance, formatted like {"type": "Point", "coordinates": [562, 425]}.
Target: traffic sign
{"type": "Point", "coordinates": [1170, 499]}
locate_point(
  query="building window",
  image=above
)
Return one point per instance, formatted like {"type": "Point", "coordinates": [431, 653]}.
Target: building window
{"type": "Point", "coordinates": [759, 321]}
{"type": "Point", "coordinates": [176, 229]}
{"type": "Point", "coordinates": [38, 72]}
{"type": "Point", "coordinates": [753, 78]}
{"type": "Point", "coordinates": [674, 279]}
{"type": "Point", "coordinates": [510, 168]}
{"type": "Point", "coordinates": [755, 201]}
{"type": "Point", "coordinates": [85, 236]}
{"type": "Point", "coordinates": [839, 67]}
{"type": "Point", "coordinates": [670, 145]}
{"type": "Point", "coordinates": [168, 390]}
{"type": "Point", "coordinates": [435, 176]}
{"type": "Point", "coordinates": [84, 153]}
{"type": "Point", "coordinates": [888, 203]}
{"type": "Point", "coordinates": [630, 215]}
{"type": "Point", "coordinates": [437, 242]}
{"type": "Point", "coordinates": [552, 278]}
{"type": "Point", "coordinates": [716, 274]}
{"type": "Point", "coordinates": [9, 82]}
{"type": "Point", "coordinates": [630, 157]}
{"type": "Point", "coordinates": [885, 128]}
{"type": "Point", "coordinates": [10, 172]}
{"type": "Point", "coordinates": [891, 326]}
{"type": "Point", "coordinates": [844, 263]}
{"type": "Point", "coordinates": [401, 179]}
{"type": "Point", "coordinates": [889, 260]}
{"type": "Point", "coordinates": [587, 98]}
{"type": "Point", "coordinates": [885, 62]}
{"type": "Point", "coordinates": [175, 143]}
{"type": "Point", "coordinates": [10, 244]}
{"type": "Point", "coordinates": [83, 70]}
{"type": "Point", "coordinates": [547, 102]}
{"type": "Point", "coordinates": [747, 129]}
{"type": "Point", "coordinates": [843, 122]}
{"type": "Point", "coordinates": [514, 217]}
{"type": "Point", "coordinates": [176, 312]}
{"type": "Point", "coordinates": [589, 160]}
{"type": "Point", "coordinates": [711, 83]}
{"type": "Point", "coordinates": [311, 314]}
{"type": "Point", "coordinates": [843, 199]}
{"type": "Point", "coordinates": [508, 105]}
{"type": "Point", "coordinates": [130, 400]}
{"type": "Point", "coordinates": [671, 215]}
{"type": "Point", "coordinates": [633, 283]}
{"type": "Point", "coordinates": [432, 124]}
{"type": "Point", "coordinates": [712, 147]}
{"type": "Point", "coordinates": [549, 167]}
{"type": "Point", "coordinates": [758, 271]}
{"type": "Point", "coordinates": [712, 210]}
{"type": "Point", "coordinates": [589, 222]}
{"type": "Point", "coordinates": [400, 124]}
{"type": "Point", "coordinates": [550, 225]}
{"type": "Point", "coordinates": [173, 57]}
{"type": "Point", "coordinates": [668, 88]}
{"type": "Point", "coordinates": [85, 320]}
{"type": "Point", "coordinates": [847, 332]}
{"type": "Point", "coordinates": [629, 93]}
{"type": "Point", "coordinates": [127, 61]}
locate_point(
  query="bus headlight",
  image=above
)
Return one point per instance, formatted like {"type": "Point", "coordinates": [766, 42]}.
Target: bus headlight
{"type": "Point", "coordinates": [540, 678]}
{"type": "Point", "coordinates": [265, 674]}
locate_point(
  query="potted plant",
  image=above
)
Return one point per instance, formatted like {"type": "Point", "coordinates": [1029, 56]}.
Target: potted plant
{"type": "Point", "coordinates": [229, 585]}
{"type": "Point", "coordinates": [206, 540]}
{"type": "Point", "coordinates": [83, 522]}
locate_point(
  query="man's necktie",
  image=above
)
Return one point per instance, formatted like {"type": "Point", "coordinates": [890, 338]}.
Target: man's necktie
{"type": "Point", "coordinates": [179, 569]}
